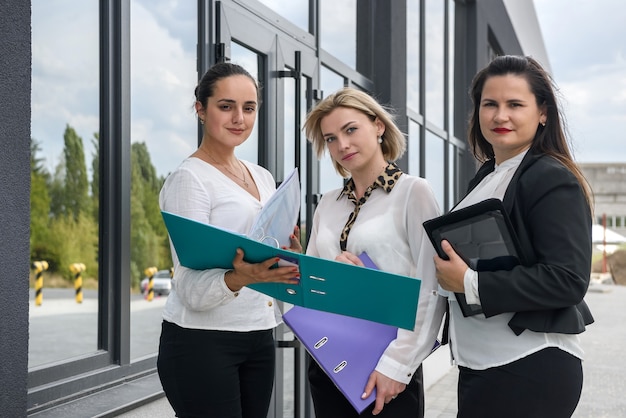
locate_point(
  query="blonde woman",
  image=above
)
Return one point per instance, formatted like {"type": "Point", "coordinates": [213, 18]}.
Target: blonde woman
{"type": "Point", "coordinates": [379, 211]}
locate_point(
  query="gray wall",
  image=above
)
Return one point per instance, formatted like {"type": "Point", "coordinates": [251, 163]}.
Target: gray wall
{"type": "Point", "coordinates": [608, 182]}
{"type": "Point", "coordinates": [15, 55]}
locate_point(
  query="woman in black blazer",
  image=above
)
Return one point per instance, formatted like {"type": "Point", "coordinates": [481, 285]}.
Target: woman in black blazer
{"type": "Point", "coordinates": [521, 356]}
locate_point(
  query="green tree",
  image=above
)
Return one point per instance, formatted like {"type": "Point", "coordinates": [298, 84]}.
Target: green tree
{"type": "Point", "coordinates": [70, 187]}
{"type": "Point", "coordinates": [39, 206]}
{"type": "Point", "coordinates": [95, 177]}
{"type": "Point", "coordinates": [149, 243]}
{"type": "Point", "coordinates": [75, 241]}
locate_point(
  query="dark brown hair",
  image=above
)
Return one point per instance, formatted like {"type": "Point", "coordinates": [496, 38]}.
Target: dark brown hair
{"type": "Point", "coordinates": [206, 86]}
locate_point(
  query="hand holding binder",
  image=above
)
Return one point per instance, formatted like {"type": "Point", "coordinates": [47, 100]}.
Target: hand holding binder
{"type": "Point", "coordinates": [482, 235]}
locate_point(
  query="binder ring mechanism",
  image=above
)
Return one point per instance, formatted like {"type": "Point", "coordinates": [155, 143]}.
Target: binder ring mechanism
{"type": "Point", "coordinates": [292, 291]}
{"type": "Point", "coordinates": [259, 235]}
{"type": "Point", "coordinates": [319, 279]}
{"type": "Point", "coordinates": [342, 365]}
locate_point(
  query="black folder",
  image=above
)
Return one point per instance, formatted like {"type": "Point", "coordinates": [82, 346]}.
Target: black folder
{"type": "Point", "coordinates": [483, 237]}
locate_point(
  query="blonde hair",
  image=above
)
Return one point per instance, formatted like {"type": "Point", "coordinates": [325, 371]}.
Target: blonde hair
{"type": "Point", "coordinates": [394, 141]}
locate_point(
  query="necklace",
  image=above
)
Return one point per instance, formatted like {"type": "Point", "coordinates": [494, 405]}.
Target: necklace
{"type": "Point", "coordinates": [243, 172]}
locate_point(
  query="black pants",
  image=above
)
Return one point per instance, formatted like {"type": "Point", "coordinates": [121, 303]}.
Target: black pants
{"type": "Point", "coordinates": [329, 402]}
{"type": "Point", "coordinates": [218, 374]}
{"type": "Point", "coordinates": [546, 384]}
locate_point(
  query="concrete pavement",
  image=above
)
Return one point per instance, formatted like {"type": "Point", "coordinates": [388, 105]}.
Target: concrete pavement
{"type": "Point", "coordinates": [604, 387]}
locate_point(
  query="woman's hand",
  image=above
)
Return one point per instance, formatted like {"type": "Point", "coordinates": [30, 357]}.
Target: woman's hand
{"type": "Point", "coordinates": [294, 241]}
{"type": "Point", "coordinates": [245, 273]}
{"type": "Point", "coordinates": [386, 390]}
{"type": "Point", "coordinates": [450, 273]}
{"type": "Point", "coordinates": [349, 258]}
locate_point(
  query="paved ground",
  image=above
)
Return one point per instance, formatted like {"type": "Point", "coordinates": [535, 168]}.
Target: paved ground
{"type": "Point", "coordinates": [604, 390]}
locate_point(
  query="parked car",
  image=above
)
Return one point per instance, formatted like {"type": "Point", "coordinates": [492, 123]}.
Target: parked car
{"type": "Point", "coordinates": [161, 283]}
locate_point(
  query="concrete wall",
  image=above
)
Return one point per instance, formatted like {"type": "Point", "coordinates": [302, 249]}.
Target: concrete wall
{"type": "Point", "coordinates": [15, 58]}
{"type": "Point", "coordinates": [608, 181]}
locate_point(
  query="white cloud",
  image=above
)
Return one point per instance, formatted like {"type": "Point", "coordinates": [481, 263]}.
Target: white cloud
{"type": "Point", "coordinates": [163, 77]}
{"type": "Point", "coordinates": [587, 56]}
{"type": "Point", "coordinates": [65, 77]}
{"type": "Point", "coordinates": [65, 73]}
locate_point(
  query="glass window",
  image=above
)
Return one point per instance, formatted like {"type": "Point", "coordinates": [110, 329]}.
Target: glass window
{"type": "Point", "coordinates": [450, 75]}
{"type": "Point", "coordinates": [435, 71]}
{"type": "Point", "coordinates": [249, 60]}
{"type": "Point", "coordinates": [164, 131]}
{"type": "Point", "coordinates": [289, 123]}
{"type": "Point", "coordinates": [296, 11]}
{"type": "Point", "coordinates": [453, 158]}
{"type": "Point", "coordinates": [413, 148]}
{"type": "Point", "coordinates": [434, 166]}
{"type": "Point", "coordinates": [329, 178]}
{"type": "Point", "coordinates": [64, 180]}
{"type": "Point", "coordinates": [338, 29]}
{"type": "Point", "coordinates": [413, 55]}
{"type": "Point", "coordinates": [291, 136]}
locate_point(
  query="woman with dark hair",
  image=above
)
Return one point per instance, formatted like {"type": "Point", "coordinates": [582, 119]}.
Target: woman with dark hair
{"type": "Point", "coordinates": [521, 356]}
{"type": "Point", "coordinates": [216, 354]}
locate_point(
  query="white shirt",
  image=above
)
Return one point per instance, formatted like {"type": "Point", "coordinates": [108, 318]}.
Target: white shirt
{"type": "Point", "coordinates": [478, 342]}
{"type": "Point", "coordinates": [200, 299]}
{"type": "Point", "coordinates": [389, 228]}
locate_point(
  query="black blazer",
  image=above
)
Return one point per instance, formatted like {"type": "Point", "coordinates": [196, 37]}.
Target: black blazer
{"type": "Point", "coordinates": [552, 220]}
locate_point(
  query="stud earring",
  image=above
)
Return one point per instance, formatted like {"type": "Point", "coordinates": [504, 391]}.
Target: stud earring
{"type": "Point", "coordinates": [380, 139]}
{"type": "Point", "coordinates": [543, 124]}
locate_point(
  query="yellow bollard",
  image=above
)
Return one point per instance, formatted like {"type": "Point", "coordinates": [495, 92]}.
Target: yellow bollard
{"type": "Point", "coordinates": [39, 267]}
{"type": "Point", "coordinates": [150, 272]}
{"type": "Point", "coordinates": [77, 269]}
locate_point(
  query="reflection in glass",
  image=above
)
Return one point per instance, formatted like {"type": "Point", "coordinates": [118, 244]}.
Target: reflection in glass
{"type": "Point", "coordinates": [450, 64]}
{"type": "Point", "coordinates": [289, 146]}
{"type": "Point", "coordinates": [452, 174]}
{"type": "Point", "coordinates": [434, 165]}
{"type": "Point", "coordinates": [338, 29]}
{"type": "Point", "coordinates": [163, 133]}
{"type": "Point", "coordinates": [413, 55]}
{"type": "Point", "coordinates": [289, 124]}
{"type": "Point", "coordinates": [329, 178]}
{"type": "Point", "coordinates": [296, 11]}
{"type": "Point", "coordinates": [243, 56]}
{"type": "Point", "coordinates": [64, 186]}
{"type": "Point", "coordinates": [434, 86]}
{"type": "Point", "coordinates": [413, 148]}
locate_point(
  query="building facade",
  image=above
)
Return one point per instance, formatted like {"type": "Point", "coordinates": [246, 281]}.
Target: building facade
{"type": "Point", "coordinates": [608, 182]}
{"type": "Point", "coordinates": [123, 71]}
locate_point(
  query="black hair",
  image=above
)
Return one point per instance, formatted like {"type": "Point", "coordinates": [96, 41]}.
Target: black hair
{"type": "Point", "coordinates": [206, 86]}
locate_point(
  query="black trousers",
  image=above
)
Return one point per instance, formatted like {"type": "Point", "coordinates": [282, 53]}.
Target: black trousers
{"type": "Point", "coordinates": [329, 402]}
{"type": "Point", "coordinates": [218, 374]}
{"type": "Point", "coordinates": [546, 384]}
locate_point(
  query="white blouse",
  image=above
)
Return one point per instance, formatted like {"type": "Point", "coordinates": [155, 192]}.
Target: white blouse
{"type": "Point", "coordinates": [478, 342]}
{"type": "Point", "coordinates": [389, 228]}
{"type": "Point", "coordinates": [200, 299]}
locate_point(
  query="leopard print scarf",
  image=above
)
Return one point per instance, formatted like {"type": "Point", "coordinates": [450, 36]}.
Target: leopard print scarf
{"type": "Point", "coordinates": [387, 180]}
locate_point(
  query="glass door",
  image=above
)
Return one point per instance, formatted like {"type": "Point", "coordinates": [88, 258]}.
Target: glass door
{"type": "Point", "coordinates": [287, 70]}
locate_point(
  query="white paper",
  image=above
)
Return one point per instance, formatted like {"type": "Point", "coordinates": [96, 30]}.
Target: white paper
{"type": "Point", "coordinates": [275, 223]}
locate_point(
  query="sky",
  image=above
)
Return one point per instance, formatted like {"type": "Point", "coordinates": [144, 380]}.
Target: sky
{"type": "Point", "coordinates": [585, 42]}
